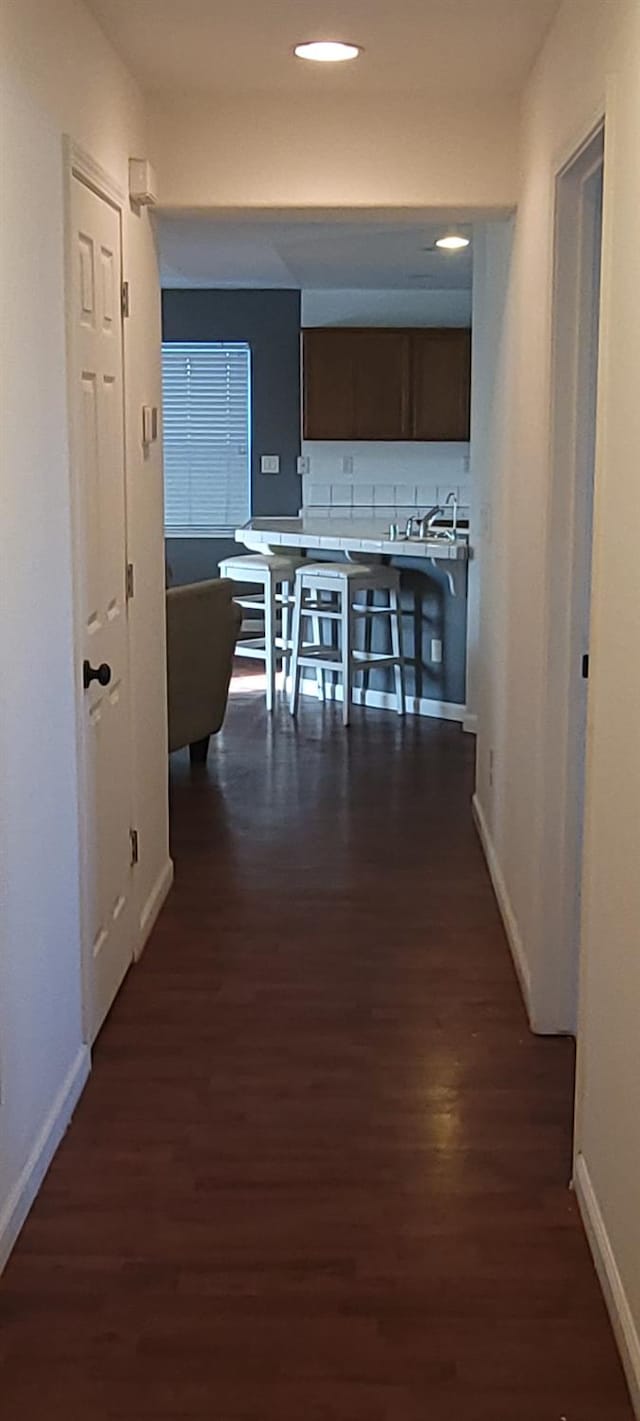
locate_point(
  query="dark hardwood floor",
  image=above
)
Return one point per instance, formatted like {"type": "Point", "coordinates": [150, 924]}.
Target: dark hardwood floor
{"type": "Point", "coordinates": [319, 1171]}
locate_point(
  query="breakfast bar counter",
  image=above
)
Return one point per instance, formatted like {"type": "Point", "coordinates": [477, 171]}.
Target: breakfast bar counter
{"type": "Point", "coordinates": [348, 535]}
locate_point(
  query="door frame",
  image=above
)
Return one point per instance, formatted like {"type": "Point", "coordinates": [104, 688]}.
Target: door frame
{"type": "Point", "coordinates": [79, 165]}
{"type": "Point", "coordinates": [564, 781]}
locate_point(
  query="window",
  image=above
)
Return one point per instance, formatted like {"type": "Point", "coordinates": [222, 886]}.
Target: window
{"type": "Point", "coordinates": [207, 437]}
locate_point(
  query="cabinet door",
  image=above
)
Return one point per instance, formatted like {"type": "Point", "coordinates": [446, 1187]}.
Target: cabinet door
{"type": "Point", "coordinates": [382, 384]}
{"type": "Point", "coordinates": [356, 384]}
{"type": "Point", "coordinates": [328, 385]}
{"type": "Point", "coordinates": [441, 384]}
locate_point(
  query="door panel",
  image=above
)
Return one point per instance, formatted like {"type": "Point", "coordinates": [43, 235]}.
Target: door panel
{"type": "Point", "coordinates": [441, 384]}
{"type": "Point", "coordinates": [101, 539]}
{"type": "Point", "coordinates": [328, 386]}
{"type": "Point", "coordinates": [381, 377]}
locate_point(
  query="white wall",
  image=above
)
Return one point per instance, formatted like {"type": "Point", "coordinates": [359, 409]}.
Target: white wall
{"type": "Point", "coordinates": [591, 62]}
{"type": "Point", "coordinates": [274, 152]}
{"type": "Point", "coordinates": [386, 308]}
{"type": "Point", "coordinates": [59, 75]}
{"type": "Point", "coordinates": [403, 477]}
{"type": "Point", "coordinates": [485, 636]}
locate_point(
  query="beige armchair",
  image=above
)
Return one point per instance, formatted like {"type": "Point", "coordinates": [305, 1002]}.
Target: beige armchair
{"type": "Point", "coordinates": [202, 629]}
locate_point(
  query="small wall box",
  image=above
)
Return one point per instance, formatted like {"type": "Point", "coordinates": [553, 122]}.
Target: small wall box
{"type": "Point", "coordinates": [142, 182]}
{"type": "Point", "coordinates": [149, 424]}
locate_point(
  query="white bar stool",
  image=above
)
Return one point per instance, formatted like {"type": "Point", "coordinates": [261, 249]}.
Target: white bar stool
{"type": "Point", "coordinates": [275, 574]}
{"type": "Point", "coordinates": [347, 582]}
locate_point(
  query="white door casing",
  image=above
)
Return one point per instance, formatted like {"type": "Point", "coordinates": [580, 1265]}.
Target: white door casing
{"type": "Point", "coordinates": [97, 433]}
{"type": "Point", "coordinates": [575, 347]}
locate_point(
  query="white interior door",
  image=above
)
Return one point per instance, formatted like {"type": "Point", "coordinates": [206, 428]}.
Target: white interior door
{"type": "Point", "coordinates": [98, 435]}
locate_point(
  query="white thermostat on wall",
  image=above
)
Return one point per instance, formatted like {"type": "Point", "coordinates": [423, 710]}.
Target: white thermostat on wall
{"type": "Point", "coordinates": [142, 182]}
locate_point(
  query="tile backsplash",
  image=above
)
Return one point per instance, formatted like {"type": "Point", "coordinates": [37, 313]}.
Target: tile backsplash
{"type": "Point", "coordinates": [389, 476]}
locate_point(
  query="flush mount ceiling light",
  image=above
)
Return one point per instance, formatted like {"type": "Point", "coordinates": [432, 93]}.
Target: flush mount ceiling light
{"type": "Point", "coordinates": [327, 51]}
{"type": "Point", "coordinates": [452, 242]}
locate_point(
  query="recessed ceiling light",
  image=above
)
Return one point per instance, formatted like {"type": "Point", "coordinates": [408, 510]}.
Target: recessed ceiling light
{"type": "Point", "coordinates": [453, 242]}
{"type": "Point", "coordinates": [327, 51]}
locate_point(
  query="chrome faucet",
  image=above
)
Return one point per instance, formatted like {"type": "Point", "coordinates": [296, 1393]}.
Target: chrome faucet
{"type": "Point", "coordinates": [453, 498]}
{"type": "Point", "coordinates": [428, 519]}
{"type": "Point", "coordinates": [413, 526]}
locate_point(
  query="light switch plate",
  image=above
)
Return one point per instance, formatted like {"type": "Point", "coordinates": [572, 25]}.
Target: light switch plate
{"type": "Point", "coordinates": [270, 464]}
{"type": "Point", "coordinates": [303, 464]}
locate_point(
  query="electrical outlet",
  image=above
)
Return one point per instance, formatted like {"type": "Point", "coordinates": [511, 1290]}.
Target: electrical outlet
{"type": "Point", "coordinates": [303, 464]}
{"type": "Point", "coordinates": [436, 651]}
{"type": "Point", "coordinates": [270, 464]}
{"type": "Point", "coordinates": [347, 463]}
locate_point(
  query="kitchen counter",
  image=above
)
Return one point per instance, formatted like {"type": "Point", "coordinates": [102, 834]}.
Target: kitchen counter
{"type": "Point", "coordinates": [362, 535]}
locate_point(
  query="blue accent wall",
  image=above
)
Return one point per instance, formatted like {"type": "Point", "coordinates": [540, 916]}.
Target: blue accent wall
{"type": "Point", "coordinates": [269, 321]}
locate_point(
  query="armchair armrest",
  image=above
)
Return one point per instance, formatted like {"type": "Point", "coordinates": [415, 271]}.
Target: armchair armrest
{"type": "Point", "coordinates": [202, 629]}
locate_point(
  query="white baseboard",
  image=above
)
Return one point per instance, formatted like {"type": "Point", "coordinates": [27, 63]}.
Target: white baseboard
{"type": "Point", "coordinates": [504, 903]}
{"type": "Point", "coordinates": [622, 1321]}
{"type": "Point", "coordinates": [21, 1198]}
{"type": "Point", "coordinates": [154, 903]}
{"type": "Point", "coordinates": [385, 700]}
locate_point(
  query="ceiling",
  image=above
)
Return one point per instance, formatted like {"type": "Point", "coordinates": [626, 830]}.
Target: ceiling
{"type": "Point", "coordinates": [195, 47]}
{"type": "Point", "coordinates": [205, 249]}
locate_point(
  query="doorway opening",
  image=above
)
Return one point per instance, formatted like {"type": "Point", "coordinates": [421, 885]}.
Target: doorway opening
{"type": "Point", "coordinates": [359, 331]}
{"type": "Point", "coordinates": [576, 328]}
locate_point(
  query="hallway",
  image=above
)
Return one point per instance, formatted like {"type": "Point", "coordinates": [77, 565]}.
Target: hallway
{"type": "Point", "coordinates": [319, 1170]}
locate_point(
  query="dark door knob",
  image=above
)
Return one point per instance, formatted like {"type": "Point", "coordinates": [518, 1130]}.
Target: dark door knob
{"type": "Point", "coordinates": [90, 673]}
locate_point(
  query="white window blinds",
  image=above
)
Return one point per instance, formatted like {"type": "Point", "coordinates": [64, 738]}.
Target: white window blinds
{"type": "Point", "coordinates": [207, 436]}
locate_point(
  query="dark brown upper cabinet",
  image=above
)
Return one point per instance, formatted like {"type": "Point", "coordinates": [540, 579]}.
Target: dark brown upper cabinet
{"type": "Point", "coordinates": [383, 384]}
{"type": "Point", "coordinates": [328, 388]}
{"type": "Point", "coordinates": [356, 384]}
{"type": "Point", "coordinates": [440, 384]}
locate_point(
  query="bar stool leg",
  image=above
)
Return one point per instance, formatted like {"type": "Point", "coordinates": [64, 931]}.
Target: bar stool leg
{"type": "Point", "coordinates": [347, 654]}
{"type": "Point", "coordinates": [285, 624]}
{"type": "Point", "coordinates": [295, 649]}
{"type": "Point", "coordinates": [369, 601]}
{"type": "Point", "coordinates": [270, 615]}
{"type": "Point", "coordinates": [396, 644]}
{"type": "Point", "coordinates": [316, 632]}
